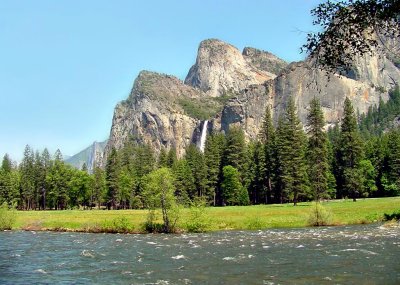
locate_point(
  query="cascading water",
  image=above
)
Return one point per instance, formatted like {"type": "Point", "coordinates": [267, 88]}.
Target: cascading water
{"type": "Point", "coordinates": [203, 136]}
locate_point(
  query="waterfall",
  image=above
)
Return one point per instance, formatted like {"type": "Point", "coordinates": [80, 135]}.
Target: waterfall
{"type": "Point", "coordinates": [203, 136]}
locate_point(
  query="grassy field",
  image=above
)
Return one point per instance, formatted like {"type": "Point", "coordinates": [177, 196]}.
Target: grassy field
{"type": "Point", "coordinates": [221, 218]}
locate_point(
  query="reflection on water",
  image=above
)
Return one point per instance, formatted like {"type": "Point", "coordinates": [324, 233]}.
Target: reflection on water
{"type": "Point", "coordinates": [341, 255]}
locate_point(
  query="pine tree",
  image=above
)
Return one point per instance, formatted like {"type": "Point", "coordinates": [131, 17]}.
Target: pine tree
{"type": "Point", "coordinates": [57, 181]}
{"type": "Point", "coordinates": [112, 175]}
{"type": "Point", "coordinates": [9, 182]}
{"type": "Point", "coordinates": [171, 157]}
{"type": "Point", "coordinates": [235, 150]}
{"type": "Point", "coordinates": [47, 164]}
{"type": "Point", "coordinates": [393, 162]}
{"type": "Point", "coordinates": [27, 178]}
{"type": "Point", "coordinates": [317, 151]}
{"type": "Point", "coordinates": [126, 186]}
{"type": "Point", "coordinates": [143, 160]}
{"type": "Point", "coordinates": [375, 149]}
{"type": "Point", "coordinates": [267, 136]}
{"type": "Point", "coordinates": [185, 187]}
{"type": "Point", "coordinates": [98, 187]}
{"type": "Point", "coordinates": [6, 164]}
{"type": "Point", "coordinates": [40, 178]}
{"type": "Point", "coordinates": [162, 158]}
{"type": "Point", "coordinates": [255, 178]}
{"type": "Point", "coordinates": [291, 155]}
{"type": "Point", "coordinates": [84, 167]}
{"type": "Point", "coordinates": [213, 154]}
{"type": "Point", "coordinates": [233, 191]}
{"type": "Point", "coordinates": [349, 155]}
{"type": "Point", "coordinates": [195, 160]}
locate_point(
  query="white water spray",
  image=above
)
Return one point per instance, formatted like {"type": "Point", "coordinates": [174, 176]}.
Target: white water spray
{"type": "Point", "coordinates": [203, 136]}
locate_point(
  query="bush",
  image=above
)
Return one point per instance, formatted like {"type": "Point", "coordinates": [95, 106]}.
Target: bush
{"type": "Point", "coordinates": [117, 225]}
{"type": "Point", "coordinates": [150, 225]}
{"type": "Point", "coordinates": [255, 224]}
{"type": "Point", "coordinates": [197, 221]}
{"type": "Point", "coordinates": [7, 217]}
{"type": "Point", "coordinates": [393, 216]}
{"type": "Point", "coordinates": [319, 216]}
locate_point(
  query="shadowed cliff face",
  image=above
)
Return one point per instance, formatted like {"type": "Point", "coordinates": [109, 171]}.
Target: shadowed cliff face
{"type": "Point", "coordinates": [228, 87]}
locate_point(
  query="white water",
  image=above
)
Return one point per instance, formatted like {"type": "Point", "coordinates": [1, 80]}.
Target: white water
{"type": "Point", "coordinates": [203, 136]}
{"type": "Point", "coordinates": [366, 254]}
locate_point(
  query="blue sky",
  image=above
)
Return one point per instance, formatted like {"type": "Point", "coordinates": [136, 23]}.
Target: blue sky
{"type": "Point", "coordinates": [64, 65]}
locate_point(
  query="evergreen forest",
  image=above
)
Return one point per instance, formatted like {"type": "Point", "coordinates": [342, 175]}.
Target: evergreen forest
{"type": "Point", "coordinates": [357, 158]}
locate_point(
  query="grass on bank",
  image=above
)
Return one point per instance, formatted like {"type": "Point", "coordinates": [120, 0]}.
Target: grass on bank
{"type": "Point", "coordinates": [343, 212]}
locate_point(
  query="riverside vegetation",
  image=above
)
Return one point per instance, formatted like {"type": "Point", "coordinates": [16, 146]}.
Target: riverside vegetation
{"type": "Point", "coordinates": [284, 165]}
{"type": "Point", "coordinates": [199, 219]}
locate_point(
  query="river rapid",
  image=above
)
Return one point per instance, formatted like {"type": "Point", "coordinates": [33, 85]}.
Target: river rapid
{"type": "Point", "coordinates": [367, 254]}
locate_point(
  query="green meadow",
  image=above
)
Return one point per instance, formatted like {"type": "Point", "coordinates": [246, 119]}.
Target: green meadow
{"type": "Point", "coordinates": [343, 212]}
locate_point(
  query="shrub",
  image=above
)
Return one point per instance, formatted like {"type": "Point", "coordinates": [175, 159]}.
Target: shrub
{"type": "Point", "coordinates": [200, 109]}
{"type": "Point", "coordinates": [393, 216]}
{"type": "Point", "coordinates": [319, 216]}
{"type": "Point", "coordinates": [197, 221]}
{"type": "Point", "coordinates": [150, 225]}
{"type": "Point", "coordinates": [7, 217]}
{"type": "Point", "coordinates": [255, 224]}
{"type": "Point", "coordinates": [117, 225]}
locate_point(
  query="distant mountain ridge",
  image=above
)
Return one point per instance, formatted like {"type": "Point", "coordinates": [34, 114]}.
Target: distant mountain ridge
{"type": "Point", "coordinates": [90, 155]}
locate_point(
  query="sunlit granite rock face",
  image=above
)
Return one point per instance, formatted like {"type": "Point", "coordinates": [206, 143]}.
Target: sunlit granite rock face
{"type": "Point", "coordinates": [376, 75]}
{"type": "Point", "coordinates": [221, 68]}
{"type": "Point", "coordinates": [228, 87]}
{"type": "Point", "coordinates": [155, 114]}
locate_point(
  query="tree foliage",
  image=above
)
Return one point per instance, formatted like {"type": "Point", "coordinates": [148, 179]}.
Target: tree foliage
{"type": "Point", "coordinates": [317, 151]}
{"type": "Point", "coordinates": [233, 191]}
{"type": "Point", "coordinates": [291, 146]}
{"type": "Point", "coordinates": [352, 28]}
{"type": "Point", "coordinates": [159, 192]}
{"type": "Point", "coordinates": [282, 165]}
{"type": "Point", "coordinates": [349, 154]}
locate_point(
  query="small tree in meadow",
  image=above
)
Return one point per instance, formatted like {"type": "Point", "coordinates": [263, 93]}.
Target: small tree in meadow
{"type": "Point", "coordinates": [159, 192]}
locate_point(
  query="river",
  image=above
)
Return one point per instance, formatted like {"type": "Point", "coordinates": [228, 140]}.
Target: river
{"type": "Point", "coordinates": [367, 254]}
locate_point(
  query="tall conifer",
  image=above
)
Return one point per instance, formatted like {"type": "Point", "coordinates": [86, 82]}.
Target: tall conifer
{"type": "Point", "coordinates": [291, 154]}
{"type": "Point", "coordinates": [349, 154]}
{"type": "Point", "coordinates": [317, 151]}
{"type": "Point", "coordinates": [267, 136]}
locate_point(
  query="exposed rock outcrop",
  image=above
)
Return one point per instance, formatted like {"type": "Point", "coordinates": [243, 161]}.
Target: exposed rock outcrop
{"type": "Point", "coordinates": [165, 112]}
{"type": "Point", "coordinates": [221, 68]}
{"type": "Point", "coordinates": [263, 60]}
{"type": "Point", "coordinates": [156, 113]}
{"type": "Point", "coordinates": [376, 75]}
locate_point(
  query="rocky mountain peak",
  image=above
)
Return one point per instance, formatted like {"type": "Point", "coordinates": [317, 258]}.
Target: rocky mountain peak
{"type": "Point", "coordinates": [162, 86]}
{"type": "Point", "coordinates": [264, 60]}
{"type": "Point", "coordinates": [221, 68]}
{"type": "Point", "coordinates": [160, 111]}
{"type": "Point", "coordinates": [167, 113]}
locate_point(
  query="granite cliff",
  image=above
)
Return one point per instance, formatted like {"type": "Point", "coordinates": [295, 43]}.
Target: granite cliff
{"type": "Point", "coordinates": [226, 86]}
{"type": "Point", "coordinates": [162, 111]}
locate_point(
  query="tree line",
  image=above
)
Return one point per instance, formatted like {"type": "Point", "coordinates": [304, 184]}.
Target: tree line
{"type": "Point", "coordinates": [284, 164]}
